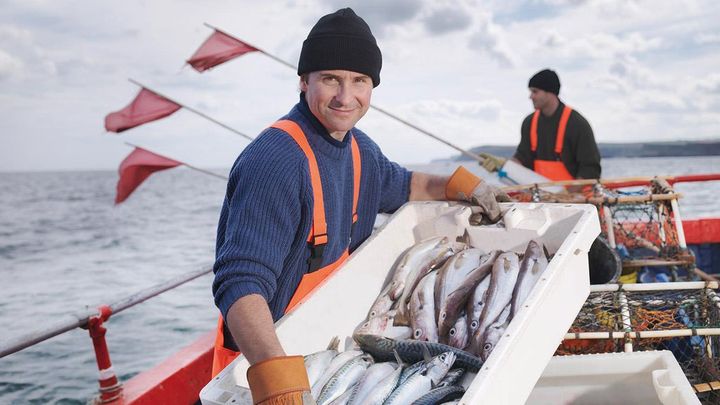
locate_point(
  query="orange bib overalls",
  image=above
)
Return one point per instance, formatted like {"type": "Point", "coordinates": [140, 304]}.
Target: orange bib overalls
{"type": "Point", "coordinates": [552, 169]}
{"type": "Point", "coordinates": [317, 239]}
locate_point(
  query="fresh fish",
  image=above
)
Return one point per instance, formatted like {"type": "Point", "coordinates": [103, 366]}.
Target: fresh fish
{"type": "Point", "coordinates": [504, 275]}
{"type": "Point", "coordinates": [452, 377]}
{"type": "Point", "coordinates": [422, 309]}
{"type": "Point", "coordinates": [381, 348]}
{"type": "Point", "coordinates": [475, 305]}
{"type": "Point", "coordinates": [347, 376]}
{"type": "Point", "coordinates": [436, 259]}
{"type": "Point", "coordinates": [412, 259]}
{"type": "Point", "coordinates": [457, 300]}
{"type": "Point", "coordinates": [372, 377]}
{"type": "Point", "coordinates": [382, 304]}
{"type": "Point", "coordinates": [417, 367]}
{"type": "Point", "coordinates": [532, 267]}
{"type": "Point", "coordinates": [382, 389]}
{"type": "Point", "coordinates": [458, 335]}
{"type": "Point", "coordinates": [421, 383]}
{"type": "Point", "coordinates": [335, 365]}
{"type": "Point", "coordinates": [453, 273]}
{"type": "Point", "coordinates": [317, 363]}
{"type": "Point", "coordinates": [494, 332]}
{"type": "Point", "coordinates": [344, 398]}
{"type": "Point", "coordinates": [383, 325]}
{"type": "Point", "coordinates": [440, 395]}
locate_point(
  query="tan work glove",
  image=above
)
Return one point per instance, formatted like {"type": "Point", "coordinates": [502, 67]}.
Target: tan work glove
{"type": "Point", "coordinates": [280, 380]}
{"type": "Point", "coordinates": [465, 186]}
{"type": "Point", "coordinates": [492, 163]}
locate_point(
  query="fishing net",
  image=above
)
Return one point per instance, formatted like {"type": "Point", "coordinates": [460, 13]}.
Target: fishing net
{"type": "Point", "coordinates": [681, 321]}
{"type": "Point", "coordinates": [638, 220]}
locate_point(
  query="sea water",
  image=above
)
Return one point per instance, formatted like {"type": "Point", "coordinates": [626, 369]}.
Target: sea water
{"type": "Point", "coordinates": [65, 247]}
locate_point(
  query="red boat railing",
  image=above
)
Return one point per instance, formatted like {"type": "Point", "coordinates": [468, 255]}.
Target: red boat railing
{"type": "Point", "coordinates": [94, 321]}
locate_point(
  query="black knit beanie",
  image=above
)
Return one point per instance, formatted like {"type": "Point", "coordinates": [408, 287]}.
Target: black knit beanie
{"type": "Point", "coordinates": [546, 80]}
{"type": "Point", "coordinates": [343, 41]}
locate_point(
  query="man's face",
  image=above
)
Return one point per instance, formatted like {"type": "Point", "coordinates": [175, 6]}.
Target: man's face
{"type": "Point", "coordinates": [540, 98]}
{"type": "Point", "coordinates": [338, 98]}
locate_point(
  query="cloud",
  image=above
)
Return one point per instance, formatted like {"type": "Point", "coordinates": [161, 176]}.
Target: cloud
{"type": "Point", "coordinates": [489, 39]}
{"type": "Point", "coordinates": [705, 38]}
{"type": "Point", "coordinates": [382, 15]}
{"type": "Point", "coordinates": [447, 18]}
{"type": "Point", "coordinates": [10, 66]}
{"type": "Point", "coordinates": [710, 84]}
{"type": "Point", "coordinates": [457, 110]}
{"type": "Point", "coordinates": [598, 45]}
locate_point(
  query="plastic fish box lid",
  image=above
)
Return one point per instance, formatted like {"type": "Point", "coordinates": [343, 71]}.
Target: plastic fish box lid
{"type": "Point", "coordinates": [652, 377]}
{"type": "Point", "coordinates": [516, 363]}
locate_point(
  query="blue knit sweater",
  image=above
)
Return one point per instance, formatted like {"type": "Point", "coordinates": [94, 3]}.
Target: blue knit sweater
{"type": "Point", "coordinates": [267, 213]}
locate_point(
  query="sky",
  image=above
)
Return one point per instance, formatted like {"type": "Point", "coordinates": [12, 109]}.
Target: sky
{"type": "Point", "coordinates": [637, 70]}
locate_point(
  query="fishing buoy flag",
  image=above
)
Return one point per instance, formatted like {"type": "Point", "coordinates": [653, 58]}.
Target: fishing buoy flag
{"type": "Point", "coordinates": [146, 107]}
{"type": "Point", "coordinates": [217, 49]}
{"type": "Point", "coordinates": [137, 167]}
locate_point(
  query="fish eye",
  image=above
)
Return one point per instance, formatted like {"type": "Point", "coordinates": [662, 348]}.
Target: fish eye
{"type": "Point", "coordinates": [452, 332]}
{"type": "Point", "coordinates": [366, 324]}
{"type": "Point", "coordinates": [488, 347]}
{"type": "Point", "coordinates": [442, 315]}
{"type": "Point", "coordinates": [372, 313]}
{"type": "Point", "coordinates": [418, 333]}
{"type": "Point", "coordinates": [473, 324]}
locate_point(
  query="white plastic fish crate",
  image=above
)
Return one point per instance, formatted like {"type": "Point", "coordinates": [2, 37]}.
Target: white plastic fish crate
{"type": "Point", "coordinates": [516, 363]}
{"type": "Point", "coordinates": [653, 377]}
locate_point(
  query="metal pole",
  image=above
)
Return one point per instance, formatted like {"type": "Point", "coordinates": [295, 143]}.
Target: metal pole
{"type": "Point", "coordinates": [402, 121]}
{"type": "Point", "coordinates": [229, 128]}
{"type": "Point", "coordinates": [81, 318]}
{"type": "Point", "coordinates": [183, 163]}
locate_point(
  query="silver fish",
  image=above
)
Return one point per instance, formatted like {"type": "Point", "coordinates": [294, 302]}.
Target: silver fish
{"type": "Point", "coordinates": [420, 383]}
{"type": "Point", "coordinates": [344, 398]}
{"type": "Point", "coordinates": [436, 259]}
{"type": "Point", "coordinates": [422, 311]}
{"type": "Point", "coordinates": [335, 365]}
{"type": "Point", "coordinates": [453, 273]}
{"type": "Point", "coordinates": [494, 332]}
{"type": "Point", "coordinates": [384, 326]}
{"type": "Point", "coordinates": [452, 377]}
{"type": "Point", "coordinates": [457, 300]}
{"type": "Point", "coordinates": [504, 275]}
{"type": "Point", "coordinates": [476, 304]}
{"type": "Point", "coordinates": [372, 377]}
{"type": "Point", "coordinates": [383, 389]}
{"type": "Point", "coordinates": [532, 267]}
{"type": "Point", "coordinates": [347, 376]}
{"type": "Point", "coordinates": [317, 363]}
{"type": "Point", "coordinates": [412, 259]}
{"type": "Point", "coordinates": [458, 334]}
{"type": "Point", "coordinates": [382, 348]}
{"type": "Point", "coordinates": [440, 395]}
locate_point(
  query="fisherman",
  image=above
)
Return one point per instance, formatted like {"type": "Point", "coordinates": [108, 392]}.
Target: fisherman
{"type": "Point", "coordinates": [303, 195]}
{"type": "Point", "coordinates": [555, 141]}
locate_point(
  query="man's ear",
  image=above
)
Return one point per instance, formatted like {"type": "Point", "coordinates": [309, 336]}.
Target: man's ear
{"type": "Point", "coordinates": [303, 83]}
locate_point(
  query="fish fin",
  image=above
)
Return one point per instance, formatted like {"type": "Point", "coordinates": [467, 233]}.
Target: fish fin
{"type": "Point", "coordinates": [334, 343]}
{"type": "Point", "coordinates": [547, 254]}
{"type": "Point", "coordinates": [426, 354]}
{"type": "Point", "coordinates": [399, 360]}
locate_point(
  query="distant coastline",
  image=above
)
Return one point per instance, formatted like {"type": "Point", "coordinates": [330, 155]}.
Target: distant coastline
{"type": "Point", "coordinates": [613, 150]}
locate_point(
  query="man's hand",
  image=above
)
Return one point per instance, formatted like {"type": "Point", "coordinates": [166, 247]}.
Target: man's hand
{"type": "Point", "coordinates": [492, 163]}
{"type": "Point", "coordinates": [280, 380]}
{"type": "Point", "coordinates": [465, 186]}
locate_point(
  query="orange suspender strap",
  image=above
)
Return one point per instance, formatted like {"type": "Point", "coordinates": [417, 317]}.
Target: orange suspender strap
{"type": "Point", "coordinates": [357, 171]}
{"type": "Point", "coordinates": [533, 131]}
{"type": "Point", "coordinates": [560, 138]}
{"type": "Point", "coordinates": [318, 231]}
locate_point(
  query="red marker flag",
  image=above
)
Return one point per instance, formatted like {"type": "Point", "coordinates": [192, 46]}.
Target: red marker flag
{"type": "Point", "coordinates": [146, 107]}
{"type": "Point", "coordinates": [137, 167]}
{"type": "Point", "coordinates": [218, 48]}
